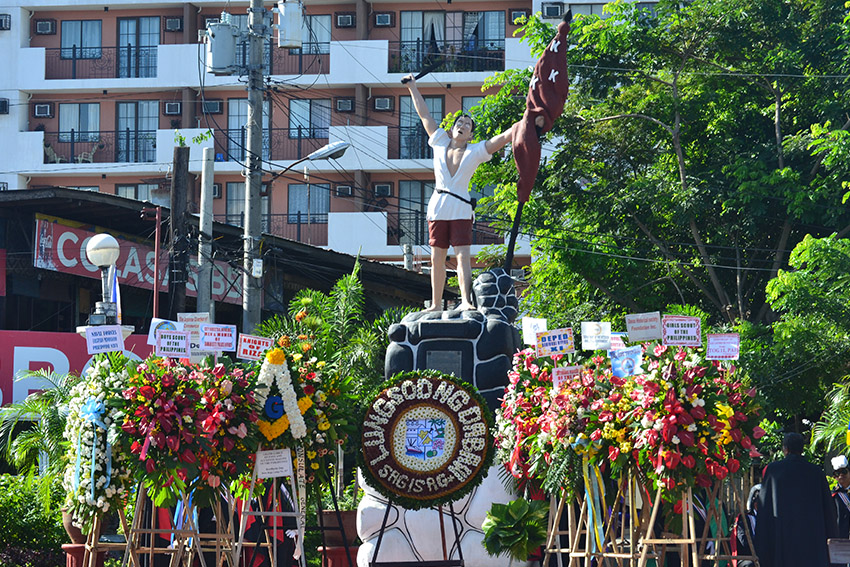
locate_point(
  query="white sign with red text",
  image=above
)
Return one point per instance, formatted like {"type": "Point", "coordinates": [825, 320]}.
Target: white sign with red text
{"type": "Point", "coordinates": [218, 337]}
{"type": "Point", "coordinates": [173, 344]}
{"type": "Point", "coordinates": [192, 324]}
{"type": "Point", "coordinates": [723, 346]}
{"type": "Point", "coordinates": [252, 347]}
{"type": "Point", "coordinates": [561, 374]}
{"type": "Point", "coordinates": [679, 330]}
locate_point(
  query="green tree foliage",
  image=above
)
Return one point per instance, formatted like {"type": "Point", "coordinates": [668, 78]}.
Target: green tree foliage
{"type": "Point", "coordinates": [698, 146]}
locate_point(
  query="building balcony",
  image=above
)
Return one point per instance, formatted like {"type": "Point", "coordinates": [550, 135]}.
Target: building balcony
{"type": "Point", "coordinates": [294, 226]}
{"type": "Point", "coordinates": [412, 228]}
{"type": "Point", "coordinates": [131, 61]}
{"type": "Point", "coordinates": [127, 146]}
{"type": "Point", "coordinates": [446, 56]}
{"type": "Point", "coordinates": [278, 143]}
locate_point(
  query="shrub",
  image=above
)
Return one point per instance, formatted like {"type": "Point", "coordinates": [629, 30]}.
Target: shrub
{"type": "Point", "coordinates": [30, 518]}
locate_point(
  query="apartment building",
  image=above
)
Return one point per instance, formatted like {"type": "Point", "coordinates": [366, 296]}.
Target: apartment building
{"type": "Point", "coordinates": [92, 93]}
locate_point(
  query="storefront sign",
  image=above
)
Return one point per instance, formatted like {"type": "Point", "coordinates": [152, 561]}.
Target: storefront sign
{"type": "Point", "coordinates": [21, 351]}
{"type": "Point", "coordinates": [60, 245]}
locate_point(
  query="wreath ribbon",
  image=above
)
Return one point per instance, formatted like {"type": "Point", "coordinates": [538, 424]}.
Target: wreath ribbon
{"type": "Point", "coordinates": [594, 490]}
{"type": "Point", "coordinates": [302, 500]}
{"type": "Point", "coordinates": [92, 412]}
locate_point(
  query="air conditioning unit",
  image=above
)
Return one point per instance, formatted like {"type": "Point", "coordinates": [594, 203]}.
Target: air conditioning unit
{"type": "Point", "coordinates": [45, 27]}
{"type": "Point", "coordinates": [383, 20]}
{"type": "Point", "coordinates": [383, 103]}
{"type": "Point", "coordinates": [552, 9]}
{"type": "Point", "coordinates": [344, 191]}
{"type": "Point", "coordinates": [4, 186]}
{"type": "Point", "coordinates": [216, 190]}
{"type": "Point", "coordinates": [4, 106]}
{"type": "Point", "coordinates": [213, 107]}
{"type": "Point", "coordinates": [172, 108]}
{"type": "Point", "coordinates": [383, 189]}
{"type": "Point", "coordinates": [208, 21]}
{"type": "Point", "coordinates": [345, 20]}
{"type": "Point", "coordinates": [264, 190]}
{"type": "Point", "coordinates": [517, 14]}
{"type": "Point", "coordinates": [345, 105]}
{"type": "Point", "coordinates": [173, 24]}
{"type": "Point", "coordinates": [5, 22]}
{"type": "Point", "coordinates": [43, 110]}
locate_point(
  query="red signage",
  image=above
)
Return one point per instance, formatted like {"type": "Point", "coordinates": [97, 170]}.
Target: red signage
{"type": "Point", "coordinates": [60, 245]}
{"type": "Point", "coordinates": [21, 351]}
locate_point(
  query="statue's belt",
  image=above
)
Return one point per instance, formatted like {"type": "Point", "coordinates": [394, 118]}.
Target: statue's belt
{"type": "Point", "coordinates": [471, 202]}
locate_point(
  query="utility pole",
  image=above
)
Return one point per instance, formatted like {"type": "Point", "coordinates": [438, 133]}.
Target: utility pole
{"type": "Point", "coordinates": [251, 286]}
{"type": "Point", "coordinates": [179, 232]}
{"type": "Point", "coordinates": [204, 282]}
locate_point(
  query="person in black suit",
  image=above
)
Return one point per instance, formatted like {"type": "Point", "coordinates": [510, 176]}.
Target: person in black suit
{"type": "Point", "coordinates": [841, 472]}
{"type": "Point", "coordinates": [796, 513]}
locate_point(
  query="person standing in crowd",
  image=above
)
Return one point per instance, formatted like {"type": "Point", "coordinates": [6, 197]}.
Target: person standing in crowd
{"type": "Point", "coordinates": [796, 513]}
{"type": "Point", "coordinates": [841, 472]}
{"type": "Point", "coordinates": [745, 524]}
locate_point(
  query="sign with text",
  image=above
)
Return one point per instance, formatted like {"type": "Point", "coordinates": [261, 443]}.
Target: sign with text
{"type": "Point", "coordinates": [562, 374]}
{"type": "Point", "coordinates": [218, 337]}
{"type": "Point", "coordinates": [252, 347]}
{"type": "Point", "coordinates": [274, 464]}
{"type": "Point", "coordinates": [643, 326]}
{"type": "Point", "coordinates": [104, 338]}
{"type": "Point", "coordinates": [558, 341]}
{"type": "Point", "coordinates": [595, 335]}
{"type": "Point", "coordinates": [192, 324]}
{"type": "Point", "coordinates": [627, 361]}
{"type": "Point", "coordinates": [530, 327]}
{"type": "Point", "coordinates": [618, 341]}
{"type": "Point", "coordinates": [60, 245]}
{"type": "Point", "coordinates": [158, 324]}
{"type": "Point", "coordinates": [723, 346]}
{"type": "Point", "coordinates": [173, 344]}
{"type": "Point", "coordinates": [679, 330]}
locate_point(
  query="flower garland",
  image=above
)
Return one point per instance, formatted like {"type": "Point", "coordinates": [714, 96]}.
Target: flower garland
{"type": "Point", "coordinates": [275, 371]}
{"type": "Point", "coordinates": [97, 478]}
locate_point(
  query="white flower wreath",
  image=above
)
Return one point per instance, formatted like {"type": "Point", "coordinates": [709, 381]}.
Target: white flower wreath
{"type": "Point", "coordinates": [278, 374]}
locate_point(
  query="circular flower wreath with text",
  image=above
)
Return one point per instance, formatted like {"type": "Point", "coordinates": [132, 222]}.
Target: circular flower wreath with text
{"type": "Point", "coordinates": [426, 439]}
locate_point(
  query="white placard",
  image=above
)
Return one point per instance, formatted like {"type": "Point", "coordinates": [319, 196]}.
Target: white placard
{"type": "Point", "coordinates": [724, 346]}
{"type": "Point", "coordinates": [595, 335]}
{"type": "Point", "coordinates": [158, 324]}
{"type": "Point", "coordinates": [274, 464]}
{"type": "Point", "coordinates": [252, 347]}
{"type": "Point", "coordinates": [192, 324]}
{"type": "Point", "coordinates": [173, 344]}
{"type": "Point", "coordinates": [557, 341]}
{"type": "Point", "coordinates": [679, 330]}
{"type": "Point", "coordinates": [643, 326]}
{"type": "Point", "coordinates": [618, 341]}
{"type": "Point", "coordinates": [104, 338]}
{"type": "Point", "coordinates": [530, 327]}
{"type": "Point", "coordinates": [561, 374]}
{"type": "Point", "coordinates": [218, 337]}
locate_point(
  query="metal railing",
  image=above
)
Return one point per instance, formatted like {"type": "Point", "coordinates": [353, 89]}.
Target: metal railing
{"type": "Point", "coordinates": [408, 142]}
{"type": "Point", "coordinates": [311, 59]}
{"type": "Point", "coordinates": [412, 228]}
{"type": "Point", "coordinates": [126, 146]}
{"type": "Point", "coordinates": [278, 143]}
{"type": "Point", "coordinates": [448, 56]}
{"type": "Point", "coordinates": [129, 61]}
{"type": "Point", "coordinates": [292, 226]}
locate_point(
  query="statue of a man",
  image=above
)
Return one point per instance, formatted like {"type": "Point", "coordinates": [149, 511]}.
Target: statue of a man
{"type": "Point", "coordinates": [450, 207]}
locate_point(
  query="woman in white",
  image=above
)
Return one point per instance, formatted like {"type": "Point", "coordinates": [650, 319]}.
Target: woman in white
{"type": "Point", "coordinates": [450, 207]}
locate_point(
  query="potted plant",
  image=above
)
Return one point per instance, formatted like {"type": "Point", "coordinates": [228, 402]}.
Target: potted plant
{"type": "Point", "coordinates": [516, 529]}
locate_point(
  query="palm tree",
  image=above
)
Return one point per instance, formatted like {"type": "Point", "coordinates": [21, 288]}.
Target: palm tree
{"type": "Point", "coordinates": [48, 411]}
{"type": "Point", "coordinates": [831, 429]}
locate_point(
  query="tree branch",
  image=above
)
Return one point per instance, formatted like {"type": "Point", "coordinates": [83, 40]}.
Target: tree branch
{"type": "Point", "coordinates": [634, 115]}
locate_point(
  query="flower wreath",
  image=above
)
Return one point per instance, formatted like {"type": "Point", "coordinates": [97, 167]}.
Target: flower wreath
{"type": "Point", "coordinates": [426, 439]}
{"type": "Point", "coordinates": [97, 477]}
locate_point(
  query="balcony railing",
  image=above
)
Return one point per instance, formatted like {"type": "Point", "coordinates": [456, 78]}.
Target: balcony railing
{"type": "Point", "coordinates": [412, 228]}
{"type": "Point", "coordinates": [130, 61]}
{"type": "Point", "coordinates": [278, 143]}
{"type": "Point", "coordinates": [448, 56]}
{"type": "Point", "coordinates": [292, 226]}
{"type": "Point", "coordinates": [311, 59]}
{"type": "Point", "coordinates": [126, 146]}
{"type": "Point", "coordinates": [408, 142]}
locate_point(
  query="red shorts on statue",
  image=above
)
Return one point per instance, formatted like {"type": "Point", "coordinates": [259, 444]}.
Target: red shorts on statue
{"type": "Point", "coordinates": [445, 233]}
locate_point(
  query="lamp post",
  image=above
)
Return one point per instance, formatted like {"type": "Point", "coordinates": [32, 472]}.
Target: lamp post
{"type": "Point", "coordinates": [251, 307]}
{"type": "Point", "coordinates": [102, 250]}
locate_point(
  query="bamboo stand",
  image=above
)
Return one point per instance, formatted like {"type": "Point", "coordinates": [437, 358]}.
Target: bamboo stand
{"type": "Point", "coordinates": [735, 490]}
{"type": "Point", "coordinates": [94, 546]}
{"type": "Point", "coordinates": [186, 541]}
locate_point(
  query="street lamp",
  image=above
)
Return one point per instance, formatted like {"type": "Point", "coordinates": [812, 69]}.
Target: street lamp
{"type": "Point", "coordinates": [251, 308]}
{"type": "Point", "coordinates": [103, 250]}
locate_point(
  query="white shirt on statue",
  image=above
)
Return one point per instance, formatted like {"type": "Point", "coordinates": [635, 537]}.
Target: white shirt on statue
{"type": "Point", "coordinates": [446, 207]}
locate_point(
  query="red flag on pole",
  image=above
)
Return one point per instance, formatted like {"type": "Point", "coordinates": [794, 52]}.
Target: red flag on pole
{"type": "Point", "coordinates": [547, 94]}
